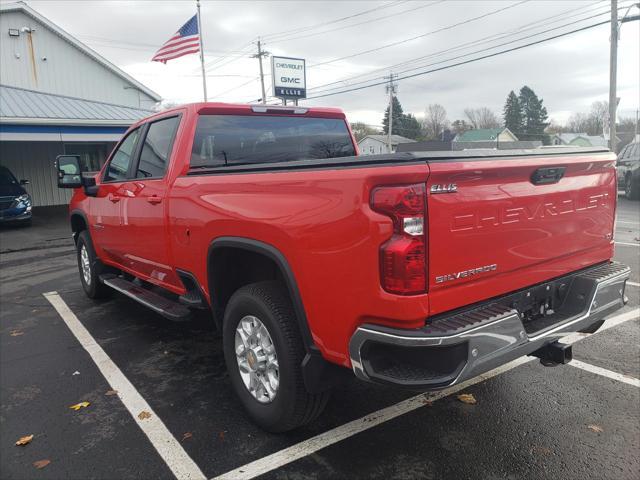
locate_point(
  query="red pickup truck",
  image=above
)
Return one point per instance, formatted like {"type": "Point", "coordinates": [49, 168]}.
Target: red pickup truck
{"type": "Point", "coordinates": [412, 269]}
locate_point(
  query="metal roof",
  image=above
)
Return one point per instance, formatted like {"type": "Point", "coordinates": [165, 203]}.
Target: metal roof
{"type": "Point", "coordinates": [18, 105]}
{"type": "Point", "coordinates": [23, 7]}
{"type": "Point", "coordinates": [479, 134]}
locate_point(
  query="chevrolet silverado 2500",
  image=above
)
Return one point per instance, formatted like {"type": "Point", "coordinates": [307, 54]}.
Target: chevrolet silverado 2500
{"type": "Point", "coordinates": [418, 270]}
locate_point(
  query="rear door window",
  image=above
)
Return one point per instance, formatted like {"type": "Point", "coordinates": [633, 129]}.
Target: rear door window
{"type": "Point", "coordinates": [249, 139]}
{"type": "Point", "coordinates": [156, 148]}
{"type": "Point", "coordinates": [118, 168]}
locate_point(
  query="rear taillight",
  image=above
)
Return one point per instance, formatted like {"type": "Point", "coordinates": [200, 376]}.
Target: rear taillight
{"type": "Point", "coordinates": [403, 258]}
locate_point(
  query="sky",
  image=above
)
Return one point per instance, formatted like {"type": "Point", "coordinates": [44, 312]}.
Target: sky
{"type": "Point", "coordinates": [568, 73]}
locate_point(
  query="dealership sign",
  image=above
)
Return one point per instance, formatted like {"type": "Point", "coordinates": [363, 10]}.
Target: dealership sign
{"type": "Point", "coordinates": [289, 77]}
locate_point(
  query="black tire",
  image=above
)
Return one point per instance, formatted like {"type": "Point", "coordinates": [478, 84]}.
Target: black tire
{"type": "Point", "coordinates": [94, 288]}
{"type": "Point", "coordinates": [631, 190]}
{"type": "Point", "coordinates": [292, 406]}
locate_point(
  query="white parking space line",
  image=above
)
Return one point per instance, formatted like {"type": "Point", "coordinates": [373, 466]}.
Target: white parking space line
{"type": "Point", "coordinates": [605, 373]}
{"type": "Point", "coordinates": [628, 223]}
{"type": "Point", "coordinates": [628, 244]}
{"type": "Point", "coordinates": [633, 284]}
{"type": "Point", "coordinates": [335, 435]}
{"type": "Point", "coordinates": [182, 466]}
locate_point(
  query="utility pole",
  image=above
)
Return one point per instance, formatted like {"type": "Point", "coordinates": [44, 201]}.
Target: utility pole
{"type": "Point", "coordinates": [391, 90]}
{"type": "Point", "coordinates": [261, 53]}
{"type": "Point", "coordinates": [613, 69]}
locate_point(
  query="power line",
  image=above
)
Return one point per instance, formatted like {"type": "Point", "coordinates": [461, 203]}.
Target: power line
{"type": "Point", "coordinates": [272, 36]}
{"type": "Point", "coordinates": [474, 52]}
{"type": "Point", "coordinates": [487, 39]}
{"type": "Point", "coordinates": [495, 54]}
{"type": "Point", "coordinates": [466, 54]}
{"type": "Point", "coordinates": [400, 42]}
{"type": "Point", "coordinates": [385, 17]}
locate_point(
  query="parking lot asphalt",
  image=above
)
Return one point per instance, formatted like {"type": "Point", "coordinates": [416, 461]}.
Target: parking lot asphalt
{"type": "Point", "coordinates": [529, 421]}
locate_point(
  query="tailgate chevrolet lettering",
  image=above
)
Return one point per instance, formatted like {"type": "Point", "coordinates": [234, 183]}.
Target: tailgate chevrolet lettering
{"type": "Point", "coordinates": [541, 210]}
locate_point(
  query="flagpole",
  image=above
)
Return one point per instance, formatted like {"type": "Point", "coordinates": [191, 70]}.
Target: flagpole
{"type": "Point", "coordinates": [204, 76]}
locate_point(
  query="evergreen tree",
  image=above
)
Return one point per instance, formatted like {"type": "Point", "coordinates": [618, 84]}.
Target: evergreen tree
{"type": "Point", "coordinates": [404, 125]}
{"type": "Point", "coordinates": [397, 117]}
{"type": "Point", "coordinates": [512, 114]}
{"type": "Point", "coordinates": [534, 114]}
{"type": "Point", "coordinates": [409, 127]}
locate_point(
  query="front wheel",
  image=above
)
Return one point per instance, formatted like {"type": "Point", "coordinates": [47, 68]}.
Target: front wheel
{"type": "Point", "coordinates": [90, 268]}
{"type": "Point", "coordinates": [263, 351]}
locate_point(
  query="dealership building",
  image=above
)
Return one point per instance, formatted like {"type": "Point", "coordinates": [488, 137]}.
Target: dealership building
{"type": "Point", "coordinates": [57, 96]}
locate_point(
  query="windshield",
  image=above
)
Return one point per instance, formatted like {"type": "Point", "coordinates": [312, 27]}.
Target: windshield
{"type": "Point", "coordinates": [7, 178]}
{"type": "Point", "coordinates": [244, 139]}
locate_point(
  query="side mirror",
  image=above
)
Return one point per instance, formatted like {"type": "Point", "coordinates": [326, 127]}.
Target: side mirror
{"type": "Point", "coordinates": [24, 182]}
{"type": "Point", "coordinates": [69, 172]}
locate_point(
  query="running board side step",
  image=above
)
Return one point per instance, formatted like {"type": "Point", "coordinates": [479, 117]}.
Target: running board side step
{"type": "Point", "coordinates": [159, 304]}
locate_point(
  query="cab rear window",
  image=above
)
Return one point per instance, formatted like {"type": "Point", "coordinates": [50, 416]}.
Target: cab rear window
{"type": "Point", "coordinates": [243, 139]}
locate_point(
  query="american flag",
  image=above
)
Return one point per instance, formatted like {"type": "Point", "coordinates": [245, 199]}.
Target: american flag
{"type": "Point", "coordinates": [185, 41]}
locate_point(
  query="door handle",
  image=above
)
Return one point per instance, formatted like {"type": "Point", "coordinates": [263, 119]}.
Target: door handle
{"type": "Point", "coordinates": [544, 176]}
{"type": "Point", "coordinates": [154, 199]}
{"type": "Point", "coordinates": [113, 198]}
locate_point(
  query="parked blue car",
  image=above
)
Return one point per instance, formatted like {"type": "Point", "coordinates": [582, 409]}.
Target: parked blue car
{"type": "Point", "coordinates": [15, 202]}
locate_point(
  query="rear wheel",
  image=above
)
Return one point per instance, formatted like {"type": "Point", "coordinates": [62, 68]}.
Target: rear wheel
{"type": "Point", "coordinates": [630, 190]}
{"type": "Point", "coordinates": [263, 351]}
{"type": "Point", "coordinates": [90, 268]}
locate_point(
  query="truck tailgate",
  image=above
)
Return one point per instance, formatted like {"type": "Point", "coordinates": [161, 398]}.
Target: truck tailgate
{"type": "Point", "coordinates": [512, 223]}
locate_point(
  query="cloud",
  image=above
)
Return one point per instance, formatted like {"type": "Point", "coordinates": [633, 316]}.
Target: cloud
{"type": "Point", "coordinates": [568, 73]}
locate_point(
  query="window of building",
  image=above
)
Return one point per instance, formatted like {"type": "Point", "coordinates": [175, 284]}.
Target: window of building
{"type": "Point", "coordinates": [92, 155]}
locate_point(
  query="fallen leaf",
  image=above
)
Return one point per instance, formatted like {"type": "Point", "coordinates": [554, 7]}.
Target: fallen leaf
{"type": "Point", "coordinates": [595, 428]}
{"type": "Point", "coordinates": [427, 403]}
{"type": "Point", "coordinates": [109, 393]}
{"type": "Point", "coordinates": [80, 405]}
{"type": "Point", "coordinates": [24, 440]}
{"type": "Point", "coordinates": [221, 435]}
{"type": "Point", "coordinates": [187, 435]}
{"type": "Point", "coordinates": [16, 333]}
{"type": "Point", "coordinates": [467, 398]}
{"type": "Point", "coordinates": [75, 373]}
{"type": "Point", "coordinates": [540, 450]}
{"type": "Point", "coordinates": [41, 463]}
{"type": "Point", "coordinates": [143, 415]}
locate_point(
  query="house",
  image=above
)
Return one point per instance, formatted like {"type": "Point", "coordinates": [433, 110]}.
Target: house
{"type": "Point", "coordinates": [57, 96]}
{"type": "Point", "coordinates": [494, 135]}
{"type": "Point", "coordinates": [375, 144]}
{"type": "Point", "coordinates": [584, 140]}
{"type": "Point", "coordinates": [564, 138]}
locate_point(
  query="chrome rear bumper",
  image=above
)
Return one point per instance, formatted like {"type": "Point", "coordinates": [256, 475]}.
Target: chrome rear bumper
{"type": "Point", "coordinates": [461, 345]}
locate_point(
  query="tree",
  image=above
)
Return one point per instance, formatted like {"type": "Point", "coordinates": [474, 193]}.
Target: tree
{"type": "Point", "coordinates": [397, 117]}
{"type": "Point", "coordinates": [512, 113]}
{"type": "Point", "coordinates": [579, 123]}
{"type": "Point", "coordinates": [482, 117]}
{"type": "Point", "coordinates": [534, 115]}
{"type": "Point", "coordinates": [460, 126]}
{"type": "Point", "coordinates": [361, 130]}
{"type": "Point", "coordinates": [405, 125]}
{"type": "Point", "coordinates": [435, 121]}
{"type": "Point", "coordinates": [598, 116]}
{"type": "Point", "coordinates": [591, 123]}
{"type": "Point", "coordinates": [411, 127]}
